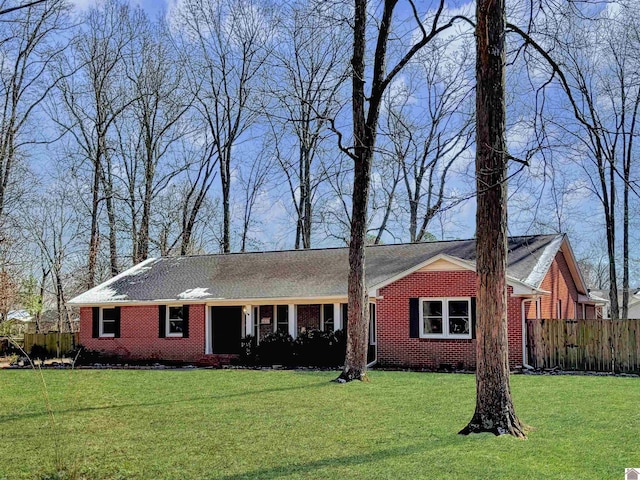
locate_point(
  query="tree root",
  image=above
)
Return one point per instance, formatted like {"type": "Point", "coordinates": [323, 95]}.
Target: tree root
{"type": "Point", "coordinates": [506, 424]}
{"type": "Point", "coordinates": [350, 375]}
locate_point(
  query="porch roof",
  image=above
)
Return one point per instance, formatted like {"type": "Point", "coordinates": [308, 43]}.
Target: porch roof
{"type": "Point", "coordinates": [312, 273]}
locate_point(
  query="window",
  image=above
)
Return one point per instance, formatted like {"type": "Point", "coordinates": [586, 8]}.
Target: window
{"type": "Point", "coordinates": [328, 324]}
{"type": "Point", "coordinates": [175, 321]}
{"type": "Point", "coordinates": [282, 325]}
{"type": "Point", "coordinates": [108, 319]}
{"type": "Point", "coordinates": [559, 309]}
{"type": "Point", "coordinates": [445, 318]}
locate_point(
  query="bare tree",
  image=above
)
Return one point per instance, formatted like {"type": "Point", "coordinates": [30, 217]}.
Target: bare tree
{"type": "Point", "coordinates": [92, 99]}
{"type": "Point", "coordinates": [153, 126]}
{"type": "Point", "coordinates": [591, 56]}
{"type": "Point", "coordinates": [52, 224]}
{"type": "Point", "coordinates": [365, 110]}
{"type": "Point", "coordinates": [306, 90]}
{"type": "Point", "coordinates": [227, 44]}
{"type": "Point", "coordinates": [30, 40]}
{"type": "Point", "coordinates": [253, 180]}
{"type": "Point", "coordinates": [429, 130]}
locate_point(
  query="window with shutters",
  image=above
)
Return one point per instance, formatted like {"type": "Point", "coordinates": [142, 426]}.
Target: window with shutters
{"type": "Point", "coordinates": [445, 317]}
{"type": "Point", "coordinates": [108, 319]}
{"type": "Point", "coordinates": [175, 321]}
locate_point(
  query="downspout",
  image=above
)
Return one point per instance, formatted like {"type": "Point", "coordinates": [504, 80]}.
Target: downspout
{"type": "Point", "coordinates": [524, 336]}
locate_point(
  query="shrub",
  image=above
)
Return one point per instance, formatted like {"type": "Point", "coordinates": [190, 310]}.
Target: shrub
{"type": "Point", "coordinates": [39, 352]}
{"type": "Point", "coordinates": [312, 348]}
{"type": "Point", "coordinates": [8, 348]}
{"type": "Point", "coordinates": [276, 349]}
{"type": "Point", "coordinates": [86, 356]}
{"type": "Point", "coordinates": [248, 351]}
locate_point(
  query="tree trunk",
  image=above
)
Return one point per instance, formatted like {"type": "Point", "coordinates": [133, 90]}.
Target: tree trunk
{"type": "Point", "coordinates": [94, 236]}
{"type": "Point", "coordinates": [355, 366]}
{"type": "Point", "coordinates": [494, 408]}
{"type": "Point", "coordinates": [225, 178]}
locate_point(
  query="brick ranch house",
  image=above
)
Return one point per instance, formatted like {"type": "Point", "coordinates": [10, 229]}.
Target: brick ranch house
{"type": "Point", "coordinates": [422, 297]}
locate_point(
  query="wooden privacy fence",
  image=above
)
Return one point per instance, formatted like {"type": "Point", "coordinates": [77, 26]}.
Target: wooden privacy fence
{"type": "Point", "coordinates": [601, 345]}
{"type": "Point", "coordinates": [55, 343]}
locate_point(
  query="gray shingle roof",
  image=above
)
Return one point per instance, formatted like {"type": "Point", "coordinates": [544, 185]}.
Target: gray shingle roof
{"type": "Point", "coordinates": [299, 273]}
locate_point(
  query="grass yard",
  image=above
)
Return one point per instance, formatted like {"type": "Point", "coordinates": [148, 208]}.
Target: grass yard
{"type": "Point", "coordinates": [235, 424]}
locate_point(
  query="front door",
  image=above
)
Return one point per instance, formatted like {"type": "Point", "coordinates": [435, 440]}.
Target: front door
{"type": "Point", "coordinates": [226, 329]}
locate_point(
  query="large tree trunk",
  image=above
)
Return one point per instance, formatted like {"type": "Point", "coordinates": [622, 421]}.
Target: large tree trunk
{"type": "Point", "coordinates": [355, 366]}
{"type": "Point", "coordinates": [494, 408]}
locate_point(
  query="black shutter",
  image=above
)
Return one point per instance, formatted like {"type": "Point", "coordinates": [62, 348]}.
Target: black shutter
{"type": "Point", "coordinates": [185, 321]}
{"type": "Point", "coordinates": [95, 330]}
{"type": "Point", "coordinates": [473, 317]}
{"type": "Point", "coordinates": [116, 332]}
{"type": "Point", "coordinates": [414, 318]}
{"type": "Point", "coordinates": [162, 321]}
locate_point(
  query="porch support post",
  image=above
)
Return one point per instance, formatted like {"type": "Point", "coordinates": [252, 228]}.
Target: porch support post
{"type": "Point", "coordinates": [248, 319]}
{"type": "Point", "coordinates": [337, 316]}
{"type": "Point", "coordinates": [292, 320]}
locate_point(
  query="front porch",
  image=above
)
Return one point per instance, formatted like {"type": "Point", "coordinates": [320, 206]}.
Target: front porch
{"type": "Point", "coordinates": [227, 325]}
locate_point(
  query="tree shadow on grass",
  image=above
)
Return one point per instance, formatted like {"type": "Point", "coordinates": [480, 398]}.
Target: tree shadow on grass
{"type": "Point", "coordinates": [308, 469]}
{"type": "Point", "coordinates": [20, 416]}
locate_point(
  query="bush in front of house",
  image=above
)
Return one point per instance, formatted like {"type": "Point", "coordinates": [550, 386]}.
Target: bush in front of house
{"type": "Point", "coordinates": [86, 356]}
{"type": "Point", "coordinates": [312, 348]}
{"type": "Point", "coordinates": [275, 349]}
{"type": "Point", "coordinates": [39, 352]}
{"type": "Point", "coordinates": [248, 351]}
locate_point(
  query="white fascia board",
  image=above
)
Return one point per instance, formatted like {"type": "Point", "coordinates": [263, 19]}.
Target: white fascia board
{"type": "Point", "coordinates": [222, 301]}
{"type": "Point", "coordinates": [520, 288]}
{"type": "Point", "coordinates": [591, 300]}
{"type": "Point", "coordinates": [463, 264]}
{"type": "Point", "coordinates": [573, 266]}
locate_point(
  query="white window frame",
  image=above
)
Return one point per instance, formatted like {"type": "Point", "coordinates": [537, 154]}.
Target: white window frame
{"type": "Point", "coordinates": [101, 324]}
{"type": "Point", "coordinates": [277, 319]}
{"type": "Point", "coordinates": [168, 318]}
{"type": "Point", "coordinates": [445, 318]}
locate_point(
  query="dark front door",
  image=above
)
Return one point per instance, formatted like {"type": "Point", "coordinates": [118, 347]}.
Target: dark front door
{"type": "Point", "coordinates": [226, 329]}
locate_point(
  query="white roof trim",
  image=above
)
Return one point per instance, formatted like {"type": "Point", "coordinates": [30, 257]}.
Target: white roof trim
{"type": "Point", "coordinates": [591, 300]}
{"type": "Point", "coordinates": [224, 301]}
{"type": "Point", "coordinates": [573, 265]}
{"type": "Point", "coordinates": [519, 287]}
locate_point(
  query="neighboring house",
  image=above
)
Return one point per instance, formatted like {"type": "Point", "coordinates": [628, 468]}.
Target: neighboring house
{"type": "Point", "coordinates": [16, 323]}
{"type": "Point", "coordinates": [634, 302]}
{"type": "Point", "coordinates": [422, 298]}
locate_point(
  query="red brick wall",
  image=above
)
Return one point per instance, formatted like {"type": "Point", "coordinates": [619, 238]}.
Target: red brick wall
{"type": "Point", "coordinates": [560, 283]}
{"type": "Point", "coordinates": [308, 317]}
{"type": "Point", "coordinates": [139, 335]}
{"type": "Point", "coordinates": [396, 348]}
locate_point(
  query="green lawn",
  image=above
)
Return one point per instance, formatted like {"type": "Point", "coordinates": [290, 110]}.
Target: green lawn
{"type": "Point", "coordinates": [228, 424]}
